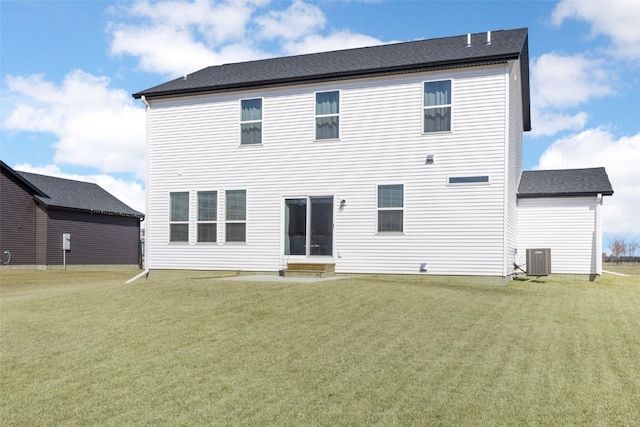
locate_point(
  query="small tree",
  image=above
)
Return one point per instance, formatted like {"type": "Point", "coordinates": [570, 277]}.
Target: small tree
{"type": "Point", "coordinates": [617, 247]}
{"type": "Point", "coordinates": [632, 247]}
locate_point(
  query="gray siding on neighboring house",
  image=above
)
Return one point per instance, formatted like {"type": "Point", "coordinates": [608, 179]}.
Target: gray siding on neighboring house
{"type": "Point", "coordinates": [35, 210]}
{"type": "Point", "coordinates": [41, 236]}
{"type": "Point", "coordinates": [17, 222]}
{"type": "Point", "coordinates": [95, 239]}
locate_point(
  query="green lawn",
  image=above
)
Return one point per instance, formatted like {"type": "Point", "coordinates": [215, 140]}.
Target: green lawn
{"type": "Point", "coordinates": [82, 348]}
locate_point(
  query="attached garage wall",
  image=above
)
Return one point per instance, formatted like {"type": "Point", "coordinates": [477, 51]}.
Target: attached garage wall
{"type": "Point", "coordinates": [567, 225]}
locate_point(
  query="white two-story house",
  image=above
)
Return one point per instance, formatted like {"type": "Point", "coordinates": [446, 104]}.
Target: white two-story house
{"type": "Point", "coordinates": [399, 158]}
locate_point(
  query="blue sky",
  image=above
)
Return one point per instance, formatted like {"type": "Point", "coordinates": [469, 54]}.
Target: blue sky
{"type": "Point", "coordinates": [68, 69]}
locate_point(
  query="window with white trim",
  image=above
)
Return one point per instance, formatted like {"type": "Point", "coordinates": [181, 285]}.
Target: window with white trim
{"type": "Point", "coordinates": [207, 216]}
{"type": "Point", "coordinates": [251, 121]}
{"type": "Point", "coordinates": [179, 217]}
{"type": "Point", "coordinates": [437, 106]}
{"type": "Point", "coordinates": [236, 216]}
{"type": "Point", "coordinates": [390, 208]}
{"type": "Point", "coordinates": [328, 115]}
{"type": "Point", "coordinates": [453, 180]}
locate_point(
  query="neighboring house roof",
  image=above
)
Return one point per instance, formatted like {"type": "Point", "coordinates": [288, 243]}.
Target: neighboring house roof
{"type": "Point", "coordinates": [564, 182]}
{"type": "Point", "coordinates": [422, 55]}
{"type": "Point", "coordinates": [75, 195]}
{"type": "Point", "coordinates": [30, 187]}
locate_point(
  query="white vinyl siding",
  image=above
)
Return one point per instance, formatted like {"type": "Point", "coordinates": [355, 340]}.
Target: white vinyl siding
{"type": "Point", "coordinates": [193, 144]}
{"type": "Point", "coordinates": [566, 225]}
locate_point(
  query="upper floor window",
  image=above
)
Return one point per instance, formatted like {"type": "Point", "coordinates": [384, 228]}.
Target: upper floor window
{"type": "Point", "coordinates": [251, 121]}
{"type": "Point", "coordinates": [327, 115]}
{"type": "Point", "coordinates": [390, 208]}
{"type": "Point", "coordinates": [236, 216]}
{"type": "Point", "coordinates": [179, 217]}
{"type": "Point", "coordinates": [437, 106]}
{"type": "Point", "coordinates": [207, 216]}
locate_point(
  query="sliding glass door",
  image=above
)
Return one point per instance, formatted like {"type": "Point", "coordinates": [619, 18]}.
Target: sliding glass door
{"type": "Point", "coordinates": [308, 226]}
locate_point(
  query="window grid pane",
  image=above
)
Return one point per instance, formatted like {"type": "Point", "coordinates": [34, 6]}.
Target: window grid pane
{"type": "Point", "coordinates": [179, 232]}
{"type": "Point", "coordinates": [207, 232]}
{"type": "Point", "coordinates": [327, 127]}
{"type": "Point", "coordinates": [251, 109]}
{"type": "Point", "coordinates": [236, 232]}
{"type": "Point", "coordinates": [236, 205]}
{"type": "Point", "coordinates": [327, 103]}
{"type": "Point", "coordinates": [179, 206]}
{"type": "Point", "coordinates": [437, 93]}
{"type": "Point", "coordinates": [207, 205]}
{"type": "Point", "coordinates": [437, 119]}
{"type": "Point", "coordinates": [390, 220]}
{"type": "Point", "coordinates": [251, 133]}
{"type": "Point", "coordinates": [390, 196]}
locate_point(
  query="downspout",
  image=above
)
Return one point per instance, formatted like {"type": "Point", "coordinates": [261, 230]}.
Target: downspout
{"type": "Point", "coordinates": [598, 231]}
{"type": "Point", "coordinates": [133, 279]}
{"type": "Point", "coordinates": [146, 245]}
{"type": "Point", "coordinates": [144, 99]}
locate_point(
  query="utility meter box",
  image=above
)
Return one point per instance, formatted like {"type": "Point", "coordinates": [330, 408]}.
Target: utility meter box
{"type": "Point", "coordinates": [66, 241]}
{"type": "Point", "coordinates": [539, 262]}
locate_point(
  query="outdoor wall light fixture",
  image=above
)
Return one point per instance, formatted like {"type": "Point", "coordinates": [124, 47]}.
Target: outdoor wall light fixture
{"type": "Point", "coordinates": [429, 159]}
{"type": "Point", "coordinates": [343, 203]}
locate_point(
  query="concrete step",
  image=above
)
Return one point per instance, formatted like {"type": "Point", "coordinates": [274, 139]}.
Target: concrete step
{"type": "Point", "coordinates": [310, 270]}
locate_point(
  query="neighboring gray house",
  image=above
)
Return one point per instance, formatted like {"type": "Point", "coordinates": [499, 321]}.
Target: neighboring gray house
{"type": "Point", "coordinates": [401, 158]}
{"type": "Point", "coordinates": [37, 210]}
{"type": "Point", "coordinates": [561, 210]}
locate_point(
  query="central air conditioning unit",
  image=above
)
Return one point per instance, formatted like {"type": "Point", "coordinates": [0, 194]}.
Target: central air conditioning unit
{"type": "Point", "coordinates": [538, 262]}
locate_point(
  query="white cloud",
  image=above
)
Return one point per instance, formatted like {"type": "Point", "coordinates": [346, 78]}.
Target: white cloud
{"type": "Point", "coordinates": [566, 81]}
{"type": "Point", "coordinates": [620, 157]}
{"type": "Point", "coordinates": [333, 41]}
{"type": "Point", "coordinates": [560, 82]}
{"type": "Point", "coordinates": [95, 125]}
{"type": "Point", "coordinates": [297, 20]}
{"type": "Point", "coordinates": [129, 192]}
{"type": "Point", "coordinates": [550, 122]}
{"type": "Point", "coordinates": [616, 19]}
{"type": "Point", "coordinates": [171, 37]}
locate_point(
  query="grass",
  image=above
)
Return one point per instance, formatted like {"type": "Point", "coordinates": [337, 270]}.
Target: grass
{"type": "Point", "coordinates": [82, 348]}
{"type": "Point", "coordinates": [624, 268]}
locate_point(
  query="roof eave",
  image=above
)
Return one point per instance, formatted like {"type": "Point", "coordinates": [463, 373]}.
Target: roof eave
{"type": "Point", "coordinates": [569, 194]}
{"type": "Point", "coordinates": [23, 180]}
{"type": "Point", "coordinates": [329, 76]}
{"type": "Point", "coordinates": [90, 211]}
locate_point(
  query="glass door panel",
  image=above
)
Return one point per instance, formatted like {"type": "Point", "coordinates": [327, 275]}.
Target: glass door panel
{"type": "Point", "coordinates": [295, 226]}
{"type": "Point", "coordinates": [321, 242]}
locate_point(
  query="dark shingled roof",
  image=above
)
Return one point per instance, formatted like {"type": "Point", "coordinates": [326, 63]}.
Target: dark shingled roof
{"type": "Point", "coordinates": [564, 182]}
{"type": "Point", "coordinates": [76, 195]}
{"type": "Point", "coordinates": [432, 54]}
